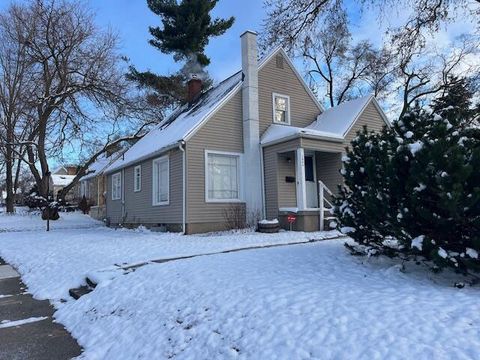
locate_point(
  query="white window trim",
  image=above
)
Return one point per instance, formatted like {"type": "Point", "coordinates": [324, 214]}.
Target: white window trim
{"type": "Point", "coordinates": [139, 188]}
{"type": "Point", "coordinates": [155, 181]}
{"type": "Point", "coordinates": [114, 176]}
{"type": "Point", "coordinates": [274, 95]}
{"type": "Point", "coordinates": [83, 189]}
{"type": "Point", "coordinates": [240, 177]}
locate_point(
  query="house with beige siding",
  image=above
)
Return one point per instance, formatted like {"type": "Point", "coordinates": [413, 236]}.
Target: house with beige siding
{"type": "Point", "coordinates": [258, 145]}
{"type": "Point", "coordinates": [93, 185]}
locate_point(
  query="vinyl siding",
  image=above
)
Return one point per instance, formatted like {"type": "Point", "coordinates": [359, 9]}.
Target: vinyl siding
{"type": "Point", "coordinates": [370, 117]}
{"type": "Point", "coordinates": [114, 207]}
{"type": "Point", "coordinates": [303, 110]}
{"type": "Point", "coordinates": [287, 192]}
{"type": "Point", "coordinates": [270, 165]}
{"type": "Point", "coordinates": [328, 169]}
{"type": "Point", "coordinates": [95, 186]}
{"type": "Point", "coordinates": [222, 132]}
{"type": "Point", "coordinates": [138, 205]}
{"type": "Point", "coordinates": [274, 181]}
{"type": "Point", "coordinates": [322, 145]}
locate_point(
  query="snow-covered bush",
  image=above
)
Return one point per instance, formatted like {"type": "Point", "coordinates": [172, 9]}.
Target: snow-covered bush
{"type": "Point", "coordinates": [419, 184]}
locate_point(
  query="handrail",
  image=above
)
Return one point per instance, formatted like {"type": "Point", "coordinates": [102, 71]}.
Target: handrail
{"type": "Point", "coordinates": [325, 187]}
{"type": "Point", "coordinates": [322, 188]}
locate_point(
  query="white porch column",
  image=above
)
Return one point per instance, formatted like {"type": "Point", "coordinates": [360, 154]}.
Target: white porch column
{"type": "Point", "coordinates": [300, 177]}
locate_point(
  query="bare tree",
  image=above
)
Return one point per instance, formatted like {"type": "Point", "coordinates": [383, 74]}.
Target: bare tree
{"type": "Point", "coordinates": [15, 86]}
{"type": "Point", "coordinates": [422, 75]}
{"type": "Point", "coordinates": [346, 69]}
{"type": "Point", "coordinates": [405, 69]}
{"type": "Point", "coordinates": [288, 21]}
{"type": "Point", "coordinates": [79, 90]}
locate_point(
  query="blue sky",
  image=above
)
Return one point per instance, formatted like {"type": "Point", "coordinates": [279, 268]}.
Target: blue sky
{"type": "Point", "coordinates": [131, 18]}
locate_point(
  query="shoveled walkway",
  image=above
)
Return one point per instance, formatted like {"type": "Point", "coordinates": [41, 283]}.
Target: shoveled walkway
{"type": "Point", "coordinates": [27, 330]}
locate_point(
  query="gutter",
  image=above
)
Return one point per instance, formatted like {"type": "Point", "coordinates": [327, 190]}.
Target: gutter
{"type": "Point", "coordinates": [140, 159]}
{"type": "Point", "coordinates": [123, 194]}
{"type": "Point", "coordinates": [181, 147]}
{"type": "Point", "coordinates": [304, 136]}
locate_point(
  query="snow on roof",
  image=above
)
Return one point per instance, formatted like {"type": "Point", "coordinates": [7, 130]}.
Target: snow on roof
{"type": "Point", "coordinates": [333, 123]}
{"type": "Point", "coordinates": [61, 180]}
{"type": "Point", "coordinates": [179, 124]}
{"type": "Point", "coordinates": [99, 166]}
{"type": "Point", "coordinates": [276, 132]}
{"type": "Point", "coordinates": [339, 119]}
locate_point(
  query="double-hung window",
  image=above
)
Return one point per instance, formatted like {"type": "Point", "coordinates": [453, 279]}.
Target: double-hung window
{"type": "Point", "coordinates": [281, 109]}
{"type": "Point", "coordinates": [117, 186]}
{"type": "Point", "coordinates": [84, 189]}
{"type": "Point", "coordinates": [137, 178]}
{"type": "Point", "coordinates": [161, 181]}
{"type": "Point", "coordinates": [222, 176]}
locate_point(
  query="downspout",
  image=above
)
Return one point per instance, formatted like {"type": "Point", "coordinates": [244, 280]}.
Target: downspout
{"type": "Point", "coordinates": [98, 190]}
{"type": "Point", "coordinates": [181, 146]}
{"type": "Point", "coordinates": [123, 195]}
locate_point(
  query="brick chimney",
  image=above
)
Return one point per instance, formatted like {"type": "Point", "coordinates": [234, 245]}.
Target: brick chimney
{"type": "Point", "coordinates": [194, 88]}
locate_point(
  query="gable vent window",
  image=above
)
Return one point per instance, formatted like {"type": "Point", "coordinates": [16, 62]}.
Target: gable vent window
{"type": "Point", "coordinates": [279, 61]}
{"type": "Point", "coordinates": [281, 109]}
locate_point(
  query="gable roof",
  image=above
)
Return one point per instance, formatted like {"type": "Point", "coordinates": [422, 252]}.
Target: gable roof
{"type": "Point", "coordinates": [282, 51]}
{"type": "Point", "coordinates": [61, 180]}
{"type": "Point", "coordinates": [333, 124]}
{"type": "Point", "coordinates": [184, 121]}
{"type": "Point", "coordinates": [340, 119]}
{"type": "Point", "coordinates": [99, 166]}
{"type": "Point", "coordinates": [180, 124]}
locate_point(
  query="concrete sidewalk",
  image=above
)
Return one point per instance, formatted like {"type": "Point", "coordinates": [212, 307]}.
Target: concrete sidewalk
{"type": "Point", "coordinates": [27, 330]}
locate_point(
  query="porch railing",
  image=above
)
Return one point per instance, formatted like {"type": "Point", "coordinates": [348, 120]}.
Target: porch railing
{"type": "Point", "coordinates": [326, 206]}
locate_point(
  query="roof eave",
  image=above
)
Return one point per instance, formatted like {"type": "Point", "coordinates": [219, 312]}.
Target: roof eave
{"type": "Point", "coordinates": [143, 158]}
{"type": "Point", "coordinates": [303, 136]}
{"type": "Point", "coordinates": [373, 100]}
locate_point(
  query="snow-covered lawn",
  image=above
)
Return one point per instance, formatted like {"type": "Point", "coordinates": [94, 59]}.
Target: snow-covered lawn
{"type": "Point", "coordinates": [29, 221]}
{"type": "Point", "coordinates": [306, 301]}
{"type": "Point", "coordinates": [53, 262]}
{"type": "Point", "coordinates": [310, 301]}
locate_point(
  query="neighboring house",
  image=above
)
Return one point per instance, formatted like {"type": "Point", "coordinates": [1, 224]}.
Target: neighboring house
{"type": "Point", "coordinates": [256, 145]}
{"type": "Point", "coordinates": [93, 185]}
{"type": "Point", "coordinates": [61, 177]}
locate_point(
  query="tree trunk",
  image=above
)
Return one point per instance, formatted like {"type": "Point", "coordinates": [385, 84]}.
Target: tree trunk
{"type": "Point", "coordinates": [9, 180]}
{"type": "Point", "coordinates": [9, 169]}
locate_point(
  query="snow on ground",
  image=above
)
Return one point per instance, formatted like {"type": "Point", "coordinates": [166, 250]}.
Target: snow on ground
{"type": "Point", "coordinates": [7, 323]}
{"type": "Point", "coordinates": [305, 301]}
{"type": "Point", "coordinates": [53, 262]}
{"type": "Point", "coordinates": [311, 301]}
{"type": "Point", "coordinates": [24, 220]}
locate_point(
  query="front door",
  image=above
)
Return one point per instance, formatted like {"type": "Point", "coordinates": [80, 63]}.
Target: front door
{"type": "Point", "coordinates": [310, 182]}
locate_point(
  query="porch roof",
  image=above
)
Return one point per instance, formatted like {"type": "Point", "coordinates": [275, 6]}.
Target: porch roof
{"type": "Point", "coordinates": [279, 133]}
{"type": "Point", "coordinates": [340, 119]}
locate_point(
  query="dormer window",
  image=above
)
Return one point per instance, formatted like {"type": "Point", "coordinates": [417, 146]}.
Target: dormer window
{"type": "Point", "coordinates": [281, 109]}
